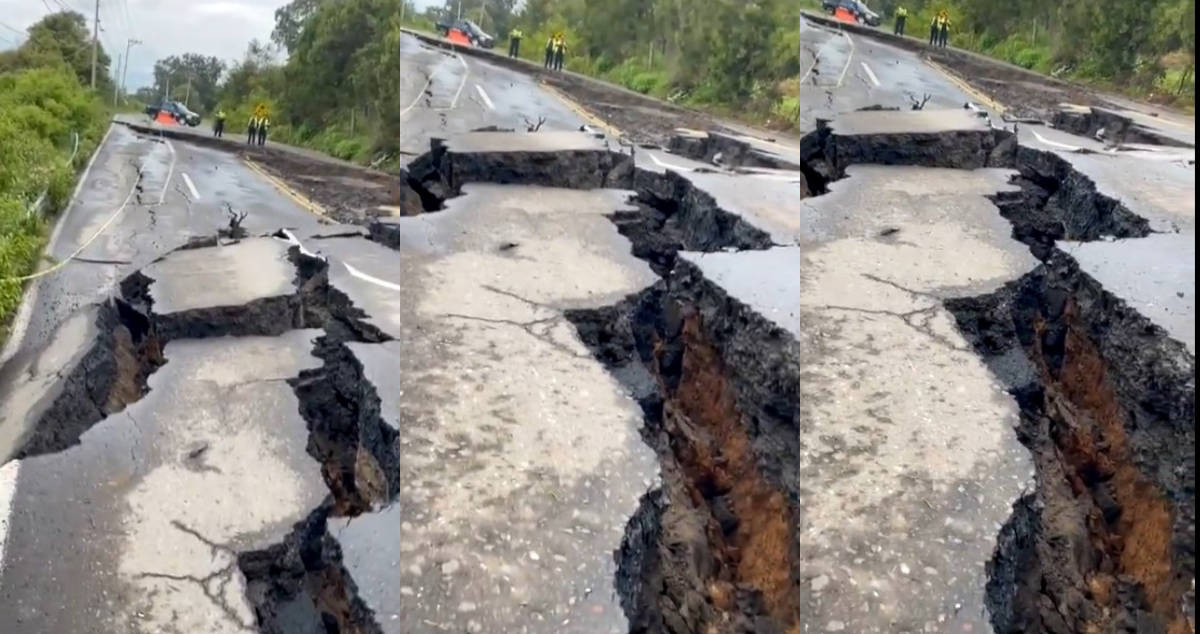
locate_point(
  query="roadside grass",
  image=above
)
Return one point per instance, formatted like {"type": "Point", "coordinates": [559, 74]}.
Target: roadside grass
{"type": "Point", "coordinates": [40, 108]}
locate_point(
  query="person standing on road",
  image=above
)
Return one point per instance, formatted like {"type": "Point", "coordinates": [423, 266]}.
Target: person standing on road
{"type": "Point", "coordinates": [560, 49]}
{"type": "Point", "coordinates": [252, 130]}
{"type": "Point", "coordinates": [943, 29]}
{"type": "Point", "coordinates": [263, 124]}
{"type": "Point", "coordinates": [514, 42]}
{"type": "Point", "coordinates": [933, 30]}
{"type": "Point", "coordinates": [219, 124]}
{"type": "Point", "coordinates": [901, 18]}
{"type": "Point", "coordinates": [549, 51]}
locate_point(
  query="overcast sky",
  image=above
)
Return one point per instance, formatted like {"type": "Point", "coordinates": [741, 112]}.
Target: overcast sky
{"type": "Point", "coordinates": [166, 27]}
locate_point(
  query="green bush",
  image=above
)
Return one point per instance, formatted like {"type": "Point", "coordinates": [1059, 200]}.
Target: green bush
{"type": "Point", "coordinates": [40, 111]}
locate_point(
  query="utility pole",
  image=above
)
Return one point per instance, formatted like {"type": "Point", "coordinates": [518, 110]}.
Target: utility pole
{"type": "Point", "coordinates": [188, 94]}
{"type": "Point", "coordinates": [116, 84]}
{"type": "Point", "coordinates": [125, 70]}
{"type": "Point", "coordinates": [95, 42]}
{"type": "Point", "coordinates": [459, 9]}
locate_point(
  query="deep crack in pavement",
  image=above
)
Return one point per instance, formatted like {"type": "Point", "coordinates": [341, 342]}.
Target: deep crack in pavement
{"type": "Point", "coordinates": [879, 392]}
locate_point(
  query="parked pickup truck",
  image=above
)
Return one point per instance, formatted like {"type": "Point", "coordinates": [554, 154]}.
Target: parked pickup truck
{"type": "Point", "coordinates": [177, 110]}
{"type": "Point", "coordinates": [477, 35]}
{"type": "Point", "coordinates": [859, 10]}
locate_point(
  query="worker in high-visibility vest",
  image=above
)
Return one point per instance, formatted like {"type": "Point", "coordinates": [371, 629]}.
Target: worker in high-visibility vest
{"type": "Point", "coordinates": [560, 49]}
{"type": "Point", "coordinates": [514, 42]}
{"type": "Point", "coordinates": [943, 29]}
{"type": "Point", "coordinates": [549, 51]}
{"type": "Point", "coordinates": [263, 124]}
{"type": "Point", "coordinates": [252, 130]}
{"type": "Point", "coordinates": [901, 18]}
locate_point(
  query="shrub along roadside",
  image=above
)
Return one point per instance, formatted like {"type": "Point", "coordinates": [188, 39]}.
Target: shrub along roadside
{"type": "Point", "coordinates": [40, 109]}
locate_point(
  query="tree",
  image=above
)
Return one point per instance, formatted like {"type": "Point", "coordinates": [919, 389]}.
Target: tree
{"type": "Point", "coordinates": [289, 20]}
{"type": "Point", "coordinates": [63, 39]}
{"type": "Point", "coordinates": [192, 78]}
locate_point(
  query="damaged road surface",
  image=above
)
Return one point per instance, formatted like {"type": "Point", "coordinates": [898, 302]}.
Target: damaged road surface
{"type": "Point", "coordinates": [891, 379]}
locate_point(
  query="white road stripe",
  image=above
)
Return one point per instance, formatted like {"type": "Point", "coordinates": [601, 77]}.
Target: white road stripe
{"type": "Point", "coordinates": [8, 489]}
{"type": "Point", "coordinates": [366, 277]}
{"type": "Point", "coordinates": [419, 95]}
{"type": "Point", "coordinates": [667, 165]}
{"type": "Point", "coordinates": [486, 99]}
{"type": "Point", "coordinates": [466, 73]}
{"type": "Point", "coordinates": [170, 172]}
{"type": "Point", "coordinates": [871, 74]}
{"type": "Point", "coordinates": [191, 188]}
{"type": "Point", "coordinates": [849, 59]}
{"type": "Point", "coordinates": [371, 278]}
{"type": "Point", "coordinates": [1054, 143]}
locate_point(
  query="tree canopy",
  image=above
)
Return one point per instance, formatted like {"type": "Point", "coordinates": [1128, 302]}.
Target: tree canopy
{"type": "Point", "coordinates": [61, 39]}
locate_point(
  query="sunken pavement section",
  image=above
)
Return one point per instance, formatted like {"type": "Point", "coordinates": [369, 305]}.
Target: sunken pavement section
{"type": "Point", "coordinates": [893, 382]}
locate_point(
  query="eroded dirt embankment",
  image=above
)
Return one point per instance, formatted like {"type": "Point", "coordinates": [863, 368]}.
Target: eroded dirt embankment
{"type": "Point", "coordinates": [1106, 542]}
{"type": "Point", "coordinates": [714, 551]}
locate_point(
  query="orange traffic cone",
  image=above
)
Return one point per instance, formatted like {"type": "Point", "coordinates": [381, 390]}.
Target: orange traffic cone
{"type": "Point", "coordinates": [164, 118]}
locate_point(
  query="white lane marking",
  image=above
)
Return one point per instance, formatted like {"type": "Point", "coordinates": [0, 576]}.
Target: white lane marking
{"type": "Point", "coordinates": [849, 59]}
{"type": "Point", "coordinates": [371, 278]}
{"type": "Point", "coordinates": [418, 98]}
{"type": "Point", "coordinates": [1073, 148]}
{"type": "Point", "coordinates": [191, 188]}
{"type": "Point", "coordinates": [667, 165]}
{"type": "Point", "coordinates": [366, 277]}
{"type": "Point", "coordinates": [871, 74]}
{"type": "Point", "coordinates": [463, 84]}
{"type": "Point", "coordinates": [8, 490]}
{"type": "Point", "coordinates": [170, 172]}
{"type": "Point", "coordinates": [292, 239]}
{"type": "Point", "coordinates": [486, 99]}
{"type": "Point", "coordinates": [17, 332]}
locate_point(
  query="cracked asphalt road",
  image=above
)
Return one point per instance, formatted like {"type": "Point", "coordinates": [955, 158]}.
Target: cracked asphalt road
{"type": "Point", "coordinates": [521, 455]}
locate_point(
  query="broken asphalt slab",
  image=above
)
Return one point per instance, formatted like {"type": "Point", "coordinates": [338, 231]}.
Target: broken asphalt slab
{"type": "Point", "coordinates": [777, 500]}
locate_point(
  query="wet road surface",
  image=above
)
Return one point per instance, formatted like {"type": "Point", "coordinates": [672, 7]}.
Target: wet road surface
{"type": "Point", "coordinates": [521, 454]}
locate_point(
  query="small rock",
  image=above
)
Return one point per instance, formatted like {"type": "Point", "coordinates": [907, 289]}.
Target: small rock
{"type": "Point", "coordinates": [406, 591]}
{"type": "Point", "coordinates": [904, 570]}
{"type": "Point", "coordinates": [819, 583]}
{"type": "Point", "coordinates": [466, 606]}
{"type": "Point", "coordinates": [450, 567]}
{"type": "Point", "coordinates": [534, 556]}
{"type": "Point", "coordinates": [835, 626]}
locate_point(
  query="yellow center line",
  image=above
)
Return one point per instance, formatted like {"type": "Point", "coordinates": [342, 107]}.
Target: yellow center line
{"type": "Point", "coordinates": [966, 88]}
{"type": "Point", "coordinates": [297, 197]}
{"type": "Point", "coordinates": [584, 114]}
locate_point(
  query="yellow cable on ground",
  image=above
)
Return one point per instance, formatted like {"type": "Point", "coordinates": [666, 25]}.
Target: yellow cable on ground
{"type": "Point", "coordinates": [578, 109]}
{"type": "Point", "coordinates": [965, 87]}
{"type": "Point", "coordinates": [297, 197]}
{"type": "Point", "coordinates": [102, 229]}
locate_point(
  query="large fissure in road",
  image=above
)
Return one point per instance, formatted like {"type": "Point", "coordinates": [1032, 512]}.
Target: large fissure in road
{"type": "Point", "coordinates": [714, 549]}
{"type": "Point", "coordinates": [298, 585]}
{"type": "Point", "coordinates": [1106, 542]}
{"type": "Point", "coordinates": [1103, 543]}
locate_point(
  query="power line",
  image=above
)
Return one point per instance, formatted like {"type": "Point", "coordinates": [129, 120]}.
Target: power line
{"type": "Point", "coordinates": [13, 29]}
